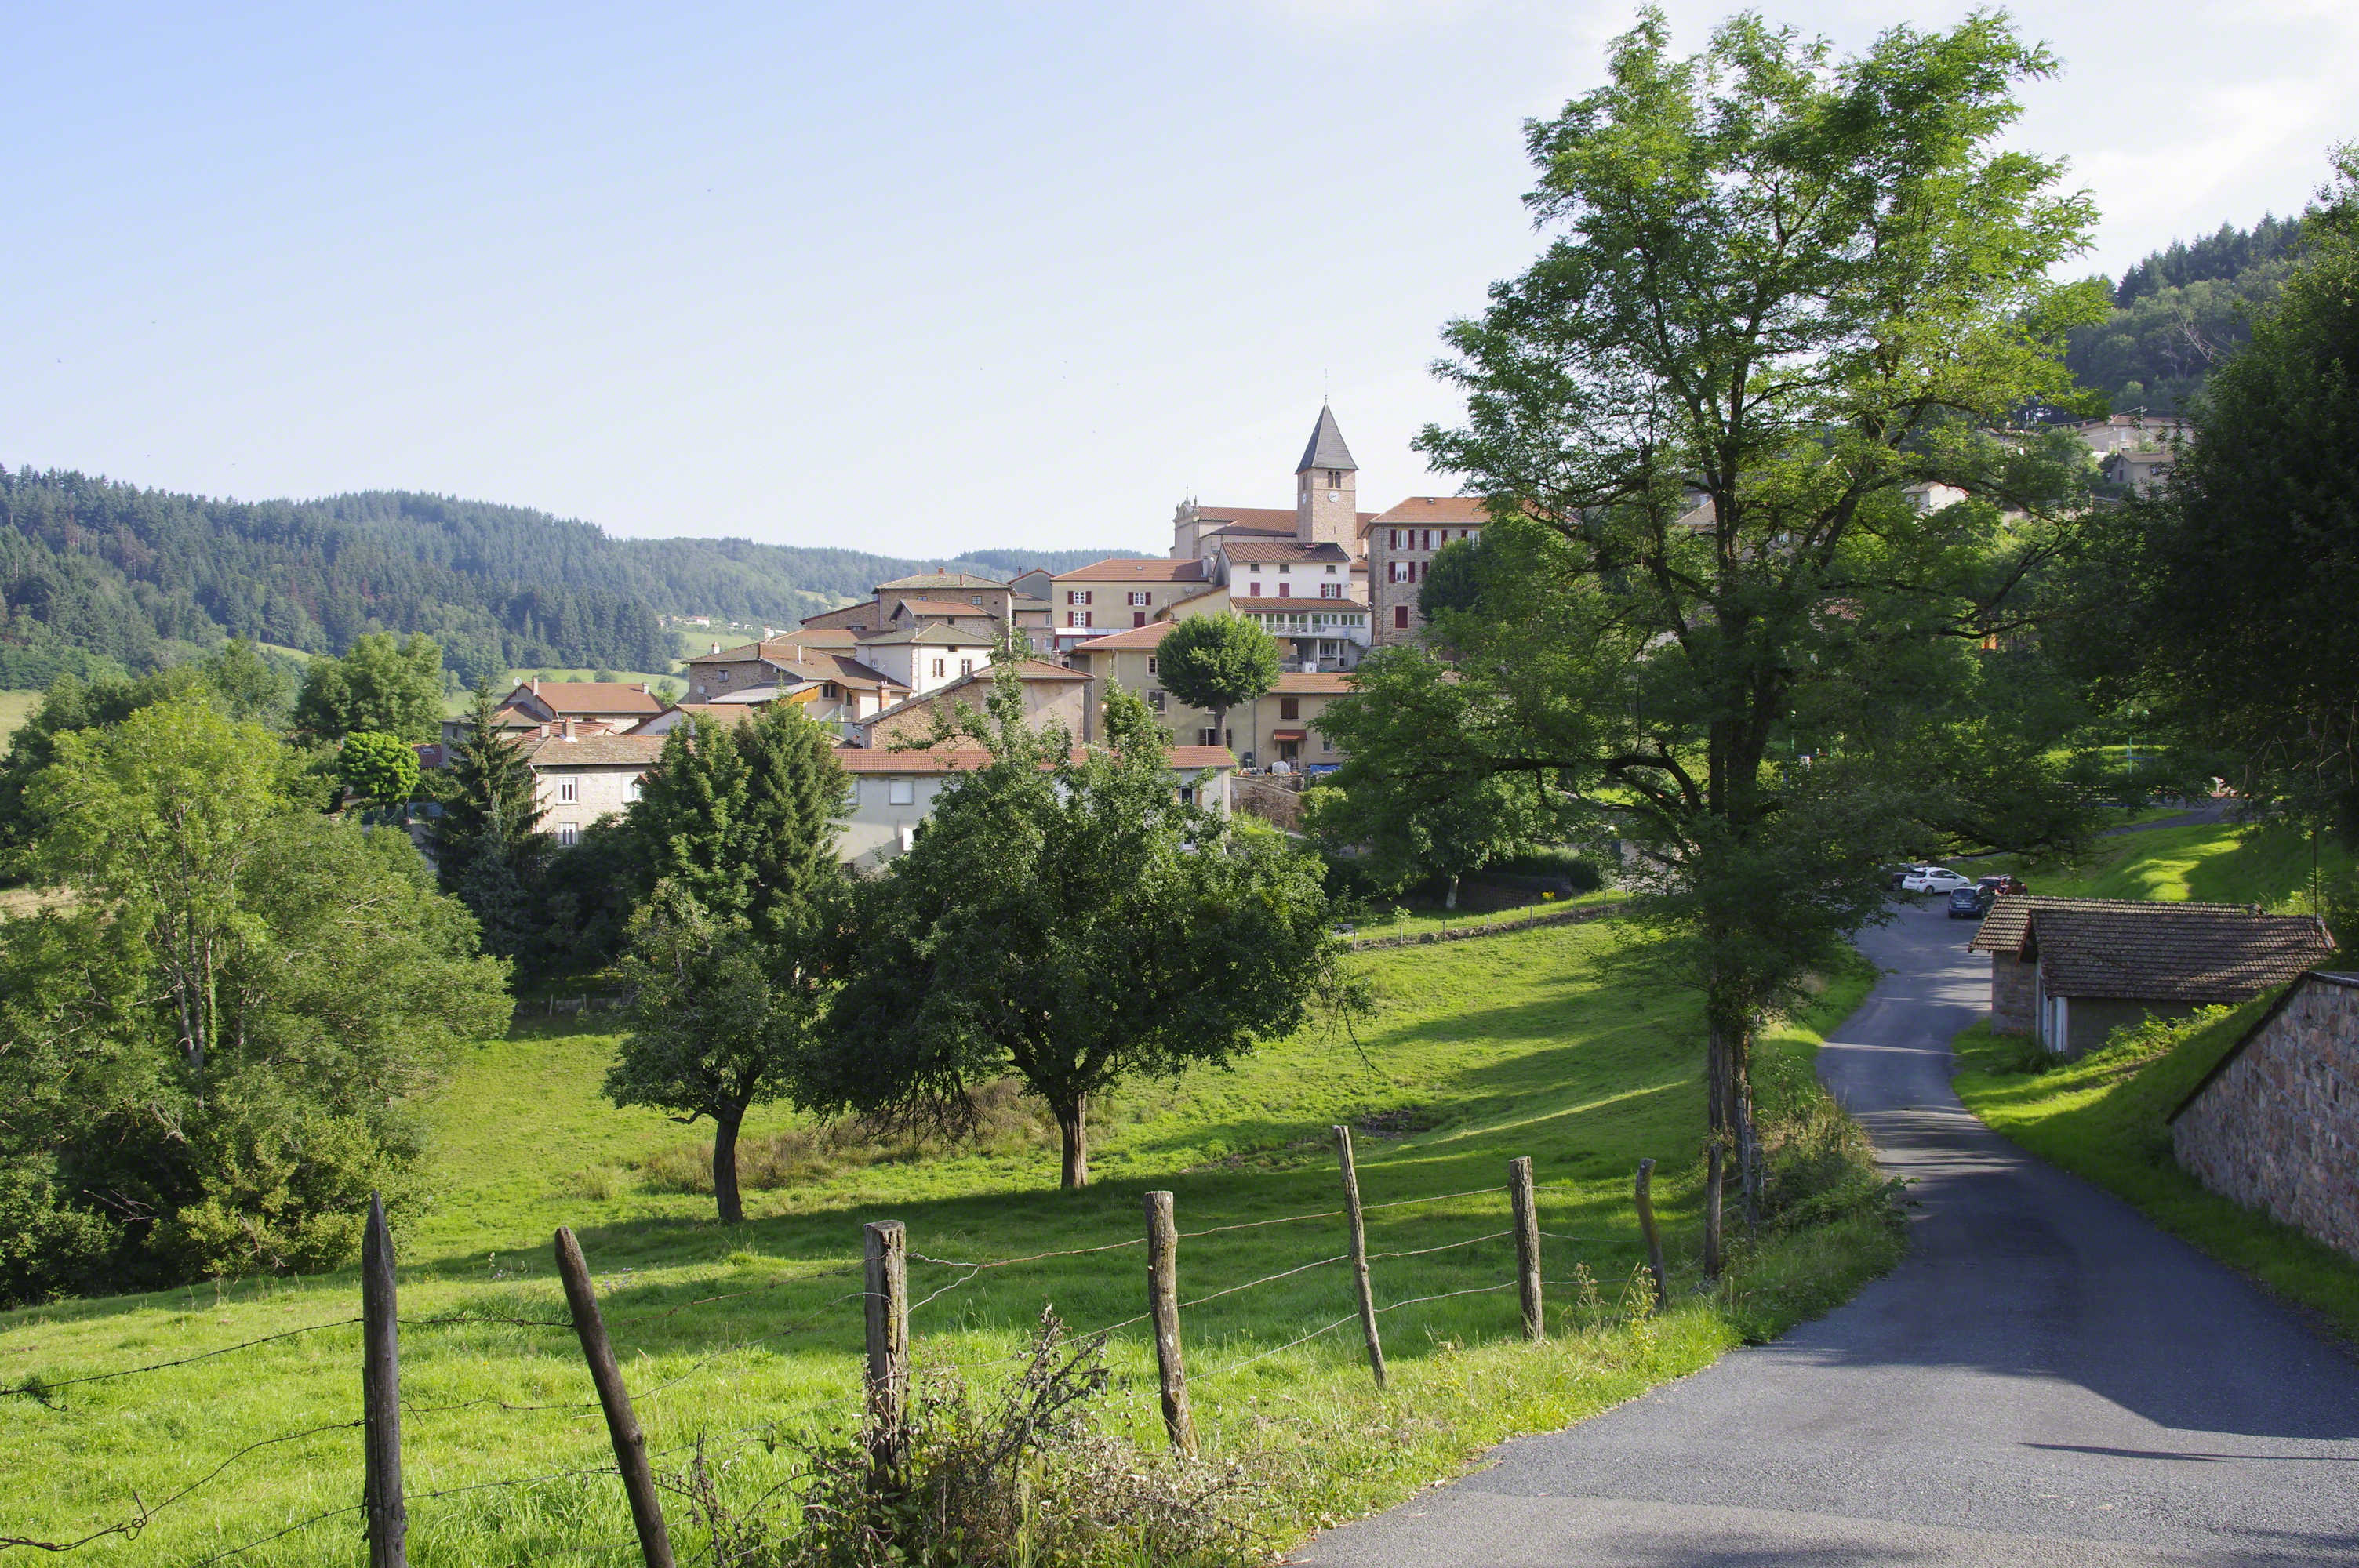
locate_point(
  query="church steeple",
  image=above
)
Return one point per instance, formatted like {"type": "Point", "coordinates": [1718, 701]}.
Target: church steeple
{"type": "Point", "coordinates": [1326, 506]}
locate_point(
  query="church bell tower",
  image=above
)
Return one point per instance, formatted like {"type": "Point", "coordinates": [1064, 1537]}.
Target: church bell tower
{"type": "Point", "coordinates": [1326, 503]}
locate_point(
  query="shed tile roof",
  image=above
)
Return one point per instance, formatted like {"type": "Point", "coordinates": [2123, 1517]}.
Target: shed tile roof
{"type": "Point", "coordinates": [932, 760]}
{"type": "Point", "coordinates": [942, 579]}
{"type": "Point", "coordinates": [1283, 550]}
{"type": "Point", "coordinates": [1241, 520]}
{"type": "Point", "coordinates": [591, 696]}
{"type": "Point", "coordinates": [2009, 924]}
{"type": "Point", "coordinates": [1455, 511]}
{"type": "Point", "coordinates": [1161, 569]}
{"type": "Point", "coordinates": [784, 650]}
{"type": "Point", "coordinates": [593, 751]}
{"type": "Point", "coordinates": [2178, 955]}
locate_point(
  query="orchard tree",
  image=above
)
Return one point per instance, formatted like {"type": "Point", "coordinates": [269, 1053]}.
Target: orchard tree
{"type": "Point", "coordinates": [1065, 919]}
{"type": "Point", "coordinates": [1733, 624]}
{"type": "Point", "coordinates": [385, 685]}
{"type": "Point", "coordinates": [1217, 663]}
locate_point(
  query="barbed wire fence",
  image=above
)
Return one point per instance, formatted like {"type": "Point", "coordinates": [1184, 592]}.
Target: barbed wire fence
{"type": "Point", "coordinates": [886, 1308]}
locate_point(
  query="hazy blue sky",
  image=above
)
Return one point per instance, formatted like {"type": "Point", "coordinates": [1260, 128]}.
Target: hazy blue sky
{"type": "Point", "coordinates": [903, 278]}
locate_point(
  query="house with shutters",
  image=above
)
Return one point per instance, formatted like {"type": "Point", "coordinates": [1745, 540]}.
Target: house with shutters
{"type": "Point", "coordinates": [1111, 595]}
{"type": "Point", "coordinates": [1401, 545]}
{"type": "Point", "coordinates": [1052, 694]}
{"type": "Point", "coordinates": [599, 704]}
{"type": "Point", "coordinates": [940, 592]}
{"type": "Point", "coordinates": [821, 668]}
{"type": "Point", "coordinates": [579, 778]}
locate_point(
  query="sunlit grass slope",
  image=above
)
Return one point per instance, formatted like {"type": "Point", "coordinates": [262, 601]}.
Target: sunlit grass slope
{"type": "Point", "coordinates": [1573, 1044]}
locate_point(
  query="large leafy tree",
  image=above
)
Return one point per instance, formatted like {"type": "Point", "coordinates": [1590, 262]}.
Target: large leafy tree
{"type": "Point", "coordinates": [210, 1058]}
{"type": "Point", "coordinates": [393, 686]}
{"type": "Point", "coordinates": [1216, 663]}
{"type": "Point", "coordinates": [1787, 293]}
{"type": "Point", "coordinates": [2245, 574]}
{"type": "Point", "coordinates": [1066, 920]}
{"type": "Point", "coordinates": [489, 847]}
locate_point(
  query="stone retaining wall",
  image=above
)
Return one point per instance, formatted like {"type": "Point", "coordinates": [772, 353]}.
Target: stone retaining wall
{"type": "Point", "coordinates": [2278, 1128]}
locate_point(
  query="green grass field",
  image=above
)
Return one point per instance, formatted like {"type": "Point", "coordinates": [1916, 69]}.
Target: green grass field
{"type": "Point", "coordinates": [2102, 1117]}
{"type": "Point", "coordinates": [1573, 1044]}
{"type": "Point", "coordinates": [2227, 862]}
{"type": "Point", "coordinates": [16, 707]}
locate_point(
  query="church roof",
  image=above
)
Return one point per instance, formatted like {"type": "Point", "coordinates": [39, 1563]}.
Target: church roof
{"type": "Point", "coordinates": [1326, 449]}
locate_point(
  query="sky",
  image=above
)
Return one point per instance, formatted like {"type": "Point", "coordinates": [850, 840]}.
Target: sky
{"type": "Point", "coordinates": [900, 278]}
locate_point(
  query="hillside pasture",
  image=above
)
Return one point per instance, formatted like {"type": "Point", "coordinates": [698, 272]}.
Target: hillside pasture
{"type": "Point", "coordinates": [16, 707]}
{"type": "Point", "coordinates": [2268, 863]}
{"type": "Point", "coordinates": [1575, 1044]}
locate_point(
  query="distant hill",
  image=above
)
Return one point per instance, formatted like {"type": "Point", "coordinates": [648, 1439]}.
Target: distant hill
{"type": "Point", "coordinates": [2181, 310]}
{"type": "Point", "coordinates": [1008, 562]}
{"type": "Point", "coordinates": [97, 575]}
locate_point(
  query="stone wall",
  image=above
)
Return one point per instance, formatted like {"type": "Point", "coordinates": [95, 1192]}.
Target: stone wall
{"type": "Point", "coordinates": [2014, 994]}
{"type": "Point", "coordinates": [2277, 1129]}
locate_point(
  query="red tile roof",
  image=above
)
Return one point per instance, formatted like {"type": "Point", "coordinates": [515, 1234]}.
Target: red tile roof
{"type": "Point", "coordinates": [2008, 926]}
{"type": "Point", "coordinates": [963, 759]}
{"type": "Point", "coordinates": [1256, 519]}
{"type": "Point", "coordinates": [943, 607]}
{"type": "Point", "coordinates": [1455, 511]}
{"type": "Point", "coordinates": [1159, 569]}
{"type": "Point", "coordinates": [2169, 952]}
{"type": "Point", "coordinates": [1313, 683]}
{"type": "Point", "coordinates": [564, 697]}
{"type": "Point", "coordinates": [1285, 550]}
{"type": "Point", "coordinates": [592, 750]}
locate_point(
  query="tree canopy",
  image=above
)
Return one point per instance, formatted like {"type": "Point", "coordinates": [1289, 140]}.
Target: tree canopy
{"type": "Point", "coordinates": [1787, 293]}
{"type": "Point", "coordinates": [1216, 662]}
{"type": "Point", "coordinates": [1066, 920]}
{"type": "Point", "coordinates": [389, 685]}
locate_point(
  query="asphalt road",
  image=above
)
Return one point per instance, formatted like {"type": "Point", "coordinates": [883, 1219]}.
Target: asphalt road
{"type": "Point", "coordinates": [2048, 1378]}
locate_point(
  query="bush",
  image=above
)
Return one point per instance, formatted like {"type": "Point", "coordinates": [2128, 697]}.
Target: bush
{"type": "Point", "coordinates": [47, 1250]}
{"type": "Point", "coordinates": [1027, 1477]}
{"type": "Point", "coordinates": [1006, 1121]}
{"type": "Point", "coordinates": [1575, 866]}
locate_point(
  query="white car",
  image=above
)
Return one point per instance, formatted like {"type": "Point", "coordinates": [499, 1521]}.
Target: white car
{"type": "Point", "coordinates": [1934, 879]}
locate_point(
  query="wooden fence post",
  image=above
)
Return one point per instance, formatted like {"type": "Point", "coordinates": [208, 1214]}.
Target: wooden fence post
{"type": "Point", "coordinates": [1163, 1303]}
{"type": "Point", "coordinates": [1712, 1157]}
{"type": "Point", "coordinates": [1527, 1244]}
{"type": "Point", "coordinates": [1654, 1236]}
{"type": "Point", "coordinates": [1360, 1253]}
{"type": "Point", "coordinates": [887, 1301]}
{"type": "Point", "coordinates": [381, 1496]}
{"type": "Point", "coordinates": [622, 1425]}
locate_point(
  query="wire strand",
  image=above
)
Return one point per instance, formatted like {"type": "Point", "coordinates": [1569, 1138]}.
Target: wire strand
{"type": "Point", "coordinates": [1265, 1278]}
{"type": "Point", "coordinates": [36, 1388]}
{"type": "Point", "coordinates": [1445, 1296]}
{"type": "Point", "coordinates": [1240, 1366]}
{"type": "Point", "coordinates": [1421, 1252]}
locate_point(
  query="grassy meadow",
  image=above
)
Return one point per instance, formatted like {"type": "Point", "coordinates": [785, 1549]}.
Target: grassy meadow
{"type": "Point", "coordinates": [2223, 862]}
{"type": "Point", "coordinates": [16, 707]}
{"type": "Point", "coordinates": [1574, 1044]}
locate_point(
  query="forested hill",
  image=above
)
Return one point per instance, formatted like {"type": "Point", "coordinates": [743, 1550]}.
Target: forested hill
{"type": "Point", "coordinates": [2181, 310]}
{"type": "Point", "coordinates": [94, 573]}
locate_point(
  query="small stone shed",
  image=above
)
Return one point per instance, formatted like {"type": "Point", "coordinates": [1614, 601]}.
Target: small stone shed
{"type": "Point", "coordinates": [2070, 971]}
{"type": "Point", "coordinates": [2274, 1124]}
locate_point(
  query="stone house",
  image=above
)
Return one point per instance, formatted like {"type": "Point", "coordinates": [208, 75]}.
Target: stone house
{"type": "Point", "coordinates": [1106, 596]}
{"type": "Point", "coordinates": [889, 794]}
{"type": "Point", "coordinates": [982, 595]}
{"type": "Point", "coordinates": [2070, 971]}
{"type": "Point", "coordinates": [821, 669]}
{"type": "Point", "coordinates": [1401, 547]}
{"type": "Point", "coordinates": [578, 778]}
{"type": "Point", "coordinates": [1282, 726]}
{"type": "Point", "coordinates": [919, 659]}
{"type": "Point", "coordinates": [607, 704]}
{"type": "Point", "coordinates": [1128, 660]}
{"type": "Point", "coordinates": [2274, 1124]}
{"type": "Point", "coordinates": [1052, 695]}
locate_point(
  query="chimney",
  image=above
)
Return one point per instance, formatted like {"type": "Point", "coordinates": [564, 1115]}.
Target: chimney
{"type": "Point", "coordinates": [536, 685]}
{"type": "Point", "coordinates": [568, 730]}
{"type": "Point", "coordinates": [643, 691]}
{"type": "Point", "coordinates": [716, 647]}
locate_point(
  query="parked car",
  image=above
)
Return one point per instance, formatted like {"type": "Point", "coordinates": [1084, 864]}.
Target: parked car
{"type": "Point", "coordinates": [1900, 874]}
{"type": "Point", "coordinates": [1934, 879]}
{"type": "Point", "coordinates": [1970, 903]}
{"type": "Point", "coordinates": [1995, 886]}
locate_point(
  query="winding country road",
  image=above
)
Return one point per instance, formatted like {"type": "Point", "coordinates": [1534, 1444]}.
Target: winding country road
{"type": "Point", "coordinates": [2046, 1378]}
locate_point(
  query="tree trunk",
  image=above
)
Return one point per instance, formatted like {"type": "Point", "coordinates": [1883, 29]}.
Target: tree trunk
{"type": "Point", "coordinates": [1728, 1086]}
{"type": "Point", "coordinates": [1220, 728]}
{"type": "Point", "coordinates": [1072, 1121]}
{"type": "Point", "coordinates": [1450, 900]}
{"type": "Point", "coordinates": [725, 1166]}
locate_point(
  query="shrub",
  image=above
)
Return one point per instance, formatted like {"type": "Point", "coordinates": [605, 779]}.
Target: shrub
{"type": "Point", "coordinates": [1025, 1477]}
{"type": "Point", "coordinates": [1006, 1121]}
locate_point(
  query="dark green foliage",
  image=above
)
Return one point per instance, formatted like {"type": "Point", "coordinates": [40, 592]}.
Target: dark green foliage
{"type": "Point", "coordinates": [730, 987]}
{"type": "Point", "coordinates": [1215, 662]}
{"type": "Point", "coordinates": [489, 849]}
{"type": "Point", "coordinates": [212, 1059]}
{"type": "Point", "coordinates": [2246, 573]}
{"type": "Point", "coordinates": [1784, 290]}
{"type": "Point", "coordinates": [1454, 579]}
{"type": "Point", "coordinates": [585, 894]}
{"type": "Point", "coordinates": [2182, 311]}
{"type": "Point", "coordinates": [1068, 922]}
{"type": "Point", "coordinates": [381, 769]}
{"type": "Point", "coordinates": [389, 685]}
{"type": "Point", "coordinates": [254, 686]}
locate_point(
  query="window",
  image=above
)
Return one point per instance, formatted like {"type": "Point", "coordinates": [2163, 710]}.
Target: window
{"type": "Point", "coordinates": [938, 666]}
{"type": "Point", "coordinates": [1155, 700]}
{"type": "Point", "coordinates": [1401, 617]}
{"type": "Point", "coordinates": [1140, 598]}
{"type": "Point", "coordinates": [1257, 592]}
{"type": "Point", "coordinates": [1283, 568]}
{"type": "Point", "coordinates": [966, 667]}
{"type": "Point", "coordinates": [1289, 707]}
{"type": "Point", "coordinates": [1334, 479]}
{"type": "Point", "coordinates": [568, 791]}
{"type": "Point", "coordinates": [1392, 539]}
{"type": "Point", "coordinates": [567, 837]}
{"type": "Point", "coordinates": [631, 789]}
{"type": "Point", "coordinates": [1077, 596]}
{"type": "Point", "coordinates": [1330, 591]}
{"type": "Point", "coordinates": [721, 677]}
{"type": "Point", "coordinates": [1077, 617]}
{"type": "Point", "coordinates": [1331, 568]}
{"type": "Point", "coordinates": [1138, 618]}
{"type": "Point", "coordinates": [1285, 590]}
{"type": "Point", "coordinates": [1150, 664]}
{"type": "Point", "coordinates": [1206, 736]}
{"type": "Point", "coordinates": [975, 599]}
{"type": "Point", "coordinates": [901, 792]}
